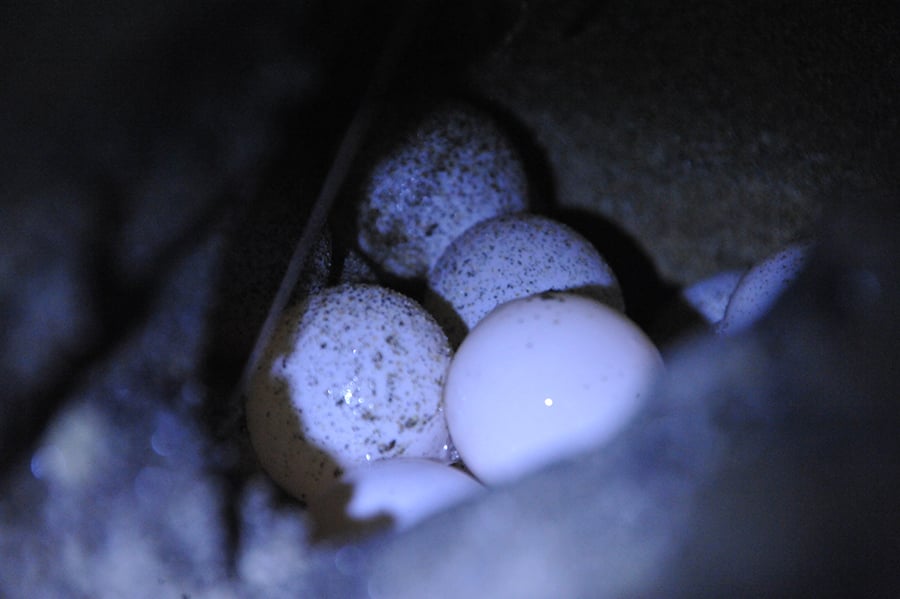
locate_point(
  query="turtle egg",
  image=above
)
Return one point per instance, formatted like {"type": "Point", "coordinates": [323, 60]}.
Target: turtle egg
{"type": "Point", "coordinates": [544, 377]}
{"type": "Point", "coordinates": [758, 289]}
{"type": "Point", "coordinates": [709, 296]}
{"type": "Point", "coordinates": [510, 257]}
{"type": "Point", "coordinates": [395, 494]}
{"type": "Point", "coordinates": [455, 169]}
{"type": "Point", "coordinates": [351, 375]}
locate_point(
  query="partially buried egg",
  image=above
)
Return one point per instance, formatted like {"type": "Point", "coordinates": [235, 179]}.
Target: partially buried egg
{"type": "Point", "coordinates": [391, 494]}
{"type": "Point", "coordinates": [544, 377]}
{"type": "Point", "coordinates": [452, 170]}
{"type": "Point", "coordinates": [761, 286]}
{"type": "Point", "coordinates": [509, 257]}
{"type": "Point", "coordinates": [352, 374]}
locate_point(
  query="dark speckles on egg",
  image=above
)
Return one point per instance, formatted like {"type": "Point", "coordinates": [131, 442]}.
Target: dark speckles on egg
{"type": "Point", "coordinates": [516, 256]}
{"type": "Point", "coordinates": [343, 357]}
{"type": "Point", "coordinates": [759, 287]}
{"type": "Point", "coordinates": [437, 182]}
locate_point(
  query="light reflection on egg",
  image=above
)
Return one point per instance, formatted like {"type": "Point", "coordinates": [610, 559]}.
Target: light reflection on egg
{"type": "Point", "coordinates": [353, 374]}
{"type": "Point", "coordinates": [538, 377]}
{"type": "Point", "coordinates": [544, 377]}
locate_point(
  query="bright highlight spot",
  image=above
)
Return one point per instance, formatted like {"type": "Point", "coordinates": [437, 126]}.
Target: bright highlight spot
{"type": "Point", "coordinates": [593, 366]}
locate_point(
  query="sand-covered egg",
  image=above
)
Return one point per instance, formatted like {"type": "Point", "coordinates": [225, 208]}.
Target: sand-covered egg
{"type": "Point", "coordinates": [393, 494]}
{"type": "Point", "coordinates": [351, 375]}
{"type": "Point", "coordinates": [761, 286]}
{"type": "Point", "coordinates": [510, 257]}
{"type": "Point", "coordinates": [452, 170]}
{"type": "Point", "coordinates": [544, 377]}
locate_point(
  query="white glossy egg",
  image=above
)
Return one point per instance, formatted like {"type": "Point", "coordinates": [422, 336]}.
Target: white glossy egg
{"type": "Point", "coordinates": [510, 257]}
{"type": "Point", "coordinates": [543, 377]}
{"type": "Point", "coordinates": [395, 494]}
{"type": "Point", "coordinates": [761, 286]}
{"type": "Point", "coordinates": [454, 169]}
{"type": "Point", "coordinates": [353, 374]}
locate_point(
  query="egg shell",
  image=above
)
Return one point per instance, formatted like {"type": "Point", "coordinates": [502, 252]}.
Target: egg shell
{"type": "Point", "coordinates": [710, 296]}
{"type": "Point", "coordinates": [544, 377]}
{"type": "Point", "coordinates": [353, 374]}
{"type": "Point", "coordinates": [390, 494]}
{"type": "Point", "coordinates": [761, 286]}
{"type": "Point", "coordinates": [510, 257]}
{"type": "Point", "coordinates": [454, 169]}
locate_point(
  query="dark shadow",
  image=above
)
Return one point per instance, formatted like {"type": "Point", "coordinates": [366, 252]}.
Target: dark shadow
{"type": "Point", "coordinates": [264, 228]}
{"type": "Point", "coordinates": [650, 301]}
{"type": "Point", "coordinates": [603, 294]}
{"type": "Point", "coordinates": [675, 320]}
{"type": "Point", "coordinates": [446, 315]}
{"type": "Point", "coordinates": [540, 175]}
{"type": "Point", "coordinates": [332, 524]}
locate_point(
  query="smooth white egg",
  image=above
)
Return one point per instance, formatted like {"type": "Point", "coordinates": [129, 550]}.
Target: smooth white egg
{"type": "Point", "coordinates": [352, 375]}
{"type": "Point", "coordinates": [761, 286]}
{"type": "Point", "coordinates": [544, 377]}
{"type": "Point", "coordinates": [454, 169]}
{"type": "Point", "coordinates": [390, 494]}
{"type": "Point", "coordinates": [510, 257]}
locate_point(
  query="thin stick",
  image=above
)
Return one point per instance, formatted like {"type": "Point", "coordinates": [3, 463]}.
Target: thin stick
{"type": "Point", "coordinates": [334, 180]}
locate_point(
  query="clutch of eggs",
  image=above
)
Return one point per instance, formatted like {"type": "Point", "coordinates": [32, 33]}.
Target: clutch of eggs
{"type": "Point", "coordinates": [356, 374]}
{"type": "Point", "coordinates": [354, 401]}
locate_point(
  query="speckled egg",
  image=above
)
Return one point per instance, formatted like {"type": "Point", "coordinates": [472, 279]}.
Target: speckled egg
{"type": "Point", "coordinates": [353, 374]}
{"type": "Point", "coordinates": [455, 169]}
{"type": "Point", "coordinates": [510, 257]}
{"type": "Point", "coordinates": [760, 286]}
